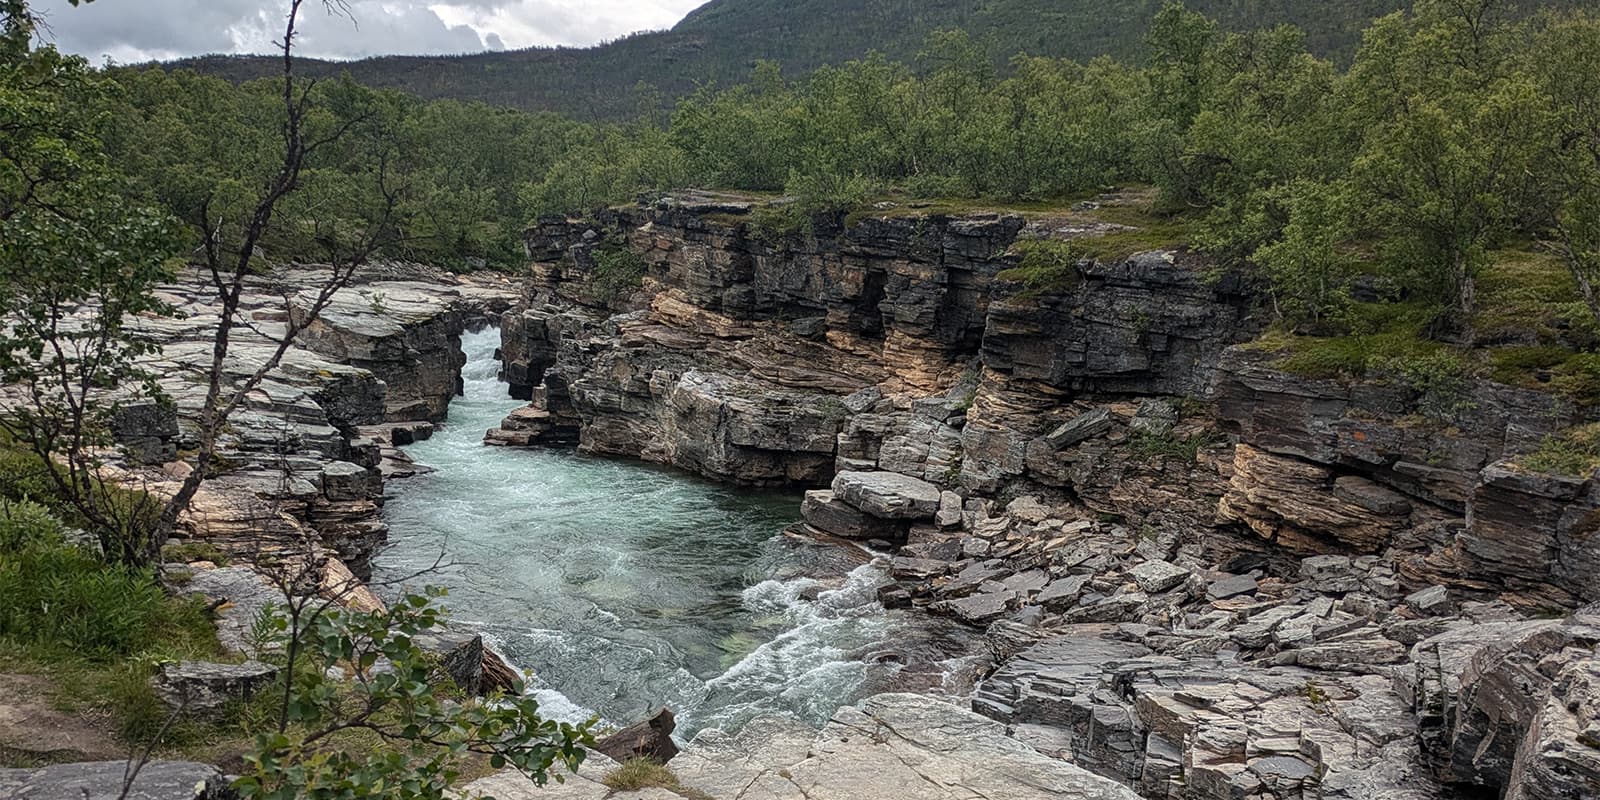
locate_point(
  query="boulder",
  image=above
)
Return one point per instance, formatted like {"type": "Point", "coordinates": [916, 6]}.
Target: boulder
{"type": "Point", "coordinates": [198, 687]}
{"type": "Point", "coordinates": [824, 511]}
{"type": "Point", "coordinates": [1079, 429]}
{"type": "Point", "coordinates": [343, 481]}
{"type": "Point", "coordinates": [651, 738]}
{"type": "Point", "coordinates": [887, 495]}
{"type": "Point", "coordinates": [1155, 577]}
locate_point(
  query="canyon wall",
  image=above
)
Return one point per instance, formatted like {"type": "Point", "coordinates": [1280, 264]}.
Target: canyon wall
{"type": "Point", "coordinates": [1198, 573]}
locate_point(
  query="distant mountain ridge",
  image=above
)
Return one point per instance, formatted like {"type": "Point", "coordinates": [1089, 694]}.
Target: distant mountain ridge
{"type": "Point", "coordinates": [720, 42]}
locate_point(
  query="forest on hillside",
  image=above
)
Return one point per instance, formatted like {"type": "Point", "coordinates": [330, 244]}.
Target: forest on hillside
{"type": "Point", "coordinates": [721, 42]}
{"type": "Point", "coordinates": [1453, 133]}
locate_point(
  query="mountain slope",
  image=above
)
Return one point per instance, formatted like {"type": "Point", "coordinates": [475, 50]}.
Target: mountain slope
{"type": "Point", "coordinates": [721, 41]}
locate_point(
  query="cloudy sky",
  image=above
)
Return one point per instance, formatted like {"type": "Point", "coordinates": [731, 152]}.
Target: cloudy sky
{"type": "Point", "coordinates": [139, 30]}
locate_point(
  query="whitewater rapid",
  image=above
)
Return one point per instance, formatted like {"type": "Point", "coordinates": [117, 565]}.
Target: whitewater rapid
{"type": "Point", "coordinates": [624, 587]}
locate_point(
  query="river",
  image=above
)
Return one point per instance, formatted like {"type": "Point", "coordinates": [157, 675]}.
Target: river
{"type": "Point", "coordinates": [625, 587]}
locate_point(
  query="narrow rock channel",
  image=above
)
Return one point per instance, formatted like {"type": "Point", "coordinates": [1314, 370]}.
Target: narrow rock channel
{"type": "Point", "coordinates": [625, 587]}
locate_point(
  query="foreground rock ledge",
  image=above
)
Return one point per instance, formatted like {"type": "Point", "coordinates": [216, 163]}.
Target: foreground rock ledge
{"type": "Point", "coordinates": [902, 746]}
{"type": "Point", "coordinates": [103, 780]}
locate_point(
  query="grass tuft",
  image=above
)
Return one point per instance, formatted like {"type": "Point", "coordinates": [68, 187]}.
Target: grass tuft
{"type": "Point", "coordinates": [1574, 452]}
{"type": "Point", "coordinates": [645, 773]}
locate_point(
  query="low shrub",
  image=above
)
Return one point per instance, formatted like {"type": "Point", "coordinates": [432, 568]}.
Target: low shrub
{"type": "Point", "coordinates": [618, 271]}
{"type": "Point", "coordinates": [1574, 452]}
{"type": "Point", "coordinates": [63, 601]}
{"type": "Point", "coordinates": [24, 523]}
{"type": "Point", "coordinates": [1046, 266]}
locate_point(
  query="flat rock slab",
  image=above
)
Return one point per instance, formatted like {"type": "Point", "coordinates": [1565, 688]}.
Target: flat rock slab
{"type": "Point", "coordinates": [1155, 577]}
{"type": "Point", "coordinates": [914, 747]}
{"type": "Point", "coordinates": [202, 686]}
{"type": "Point", "coordinates": [888, 495]}
{"type": "Point", "coordinates": [103, 780]}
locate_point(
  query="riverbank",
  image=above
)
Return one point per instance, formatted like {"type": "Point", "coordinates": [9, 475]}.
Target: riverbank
{"type": "Point", "coordinates": [1202, 569]}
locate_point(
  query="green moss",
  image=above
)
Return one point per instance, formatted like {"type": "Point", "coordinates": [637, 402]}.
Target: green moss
{"type": "Point", "coordinates": [1578, 379]}
{"type": "Point", "coordinates": [1146, 230]}
{"type": "Point", "coordinates": [1574, 452]}
{"type": "Point", "coordinates": [618, 271]}
{"type": "Point", "coordinates": [1525, 293]}
{"type": "Point", "coordinates": [1517, 366]}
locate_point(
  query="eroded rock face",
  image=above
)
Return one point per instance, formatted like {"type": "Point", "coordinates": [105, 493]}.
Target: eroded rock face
{"type": "Point", "coordinates": [892, 745]}
{"type": "Point", "coordinates": [1197, 574]}
{"type": "Point", "coordinates": [766, 362]}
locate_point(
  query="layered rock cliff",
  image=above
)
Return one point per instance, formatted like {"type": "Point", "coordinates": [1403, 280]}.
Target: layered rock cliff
{"type": "Point", "coordinates": [1200, 574]}
{"type": "Point", "coordinates": [305, 455]}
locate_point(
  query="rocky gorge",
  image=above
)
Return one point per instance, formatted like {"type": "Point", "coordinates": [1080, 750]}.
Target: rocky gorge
{"type": "Point", "coordinates": [1189, 572]}
{"type": "Point", "coordinates": [1198, 574]}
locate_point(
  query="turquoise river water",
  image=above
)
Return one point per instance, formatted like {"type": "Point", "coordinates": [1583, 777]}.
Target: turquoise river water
{"type": "Point", "coordinates": [625, 587]}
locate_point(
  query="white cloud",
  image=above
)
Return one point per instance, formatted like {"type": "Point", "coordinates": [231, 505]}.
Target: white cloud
{"type": "Point", "coordinates": [139, 30]}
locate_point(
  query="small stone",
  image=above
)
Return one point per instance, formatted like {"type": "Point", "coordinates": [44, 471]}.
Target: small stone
{"type": "Point", "coordinates": [1155, 577]}
{"type": "Point", "coordinates": [979, 609]}
{"type": "Point", "coordinates": [893, 595]}
{"type": "Point", "coordinates": [1231, 586]}
{"type": "Point", "coordinates": [1155, 417]}
{"type": "Point", "coordinates": [1330, 574]}
{"type": "Point", "coordinates": [1062, 593]}
{"type": "Point", "coordinates": [1080, 429]}
{"type": "Point", "coordinates": [949, 514]}
{"type": "Point", "coordinates": [651, 738]}
{"type": "Point", "coordinates": [1432, 601]}
{"type": "Point", "coordinates": [199, 687]}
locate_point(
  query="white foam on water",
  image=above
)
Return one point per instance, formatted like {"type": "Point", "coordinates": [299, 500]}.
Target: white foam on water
{"type": "Point", "coordinates": [625, 587]}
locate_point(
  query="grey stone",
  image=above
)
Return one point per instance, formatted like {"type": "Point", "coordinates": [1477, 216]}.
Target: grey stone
{"type": "Point", "coordinates": [199, 687]}
{"type": "Point", "coordinates": [887, 495]}
{"type": "Point", "coordinates": [1081, 428]}
{"type": "Point", "coordinates": [1331, 574]}
{"type": "Point", "coordinates": [978, 609]}
{"type": "Point", "coordinates": [1231, 586]}
{"type": "Point", "coordinates": [104, 780]}
{"type": "Point", "coordinates": [1434, 600]}
{"type": "Point", "coordinates": [824, 511]}
{"type": "Point", "coordinates": [1062, 593]}
{"type": "Point", "coordinates": [1155, 577]}
{"type": "Point", "coordinates": [343, 480]}
{"type": "Point", "coordinates": [1155, 417]}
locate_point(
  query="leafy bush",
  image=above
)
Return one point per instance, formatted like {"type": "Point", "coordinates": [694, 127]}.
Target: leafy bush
{"type": "Point", "coordinates": [1046, 266]}
{"type": "Point", "coordinates": [811, 196]}
{"type": "Point", "coordinates": [417, 736]}
{"type": "Point", "coordinates": [1578, 379]}
{"type": "Point", "coordinates": [23, 476]}
{"type": "Point", "coordinates": [62, 600]}
{"type": "Point", "coordinates": [24, 523]}
{"type": "Point", "coordinates": [618, 271]}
